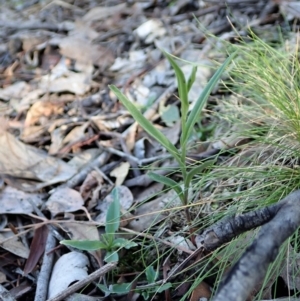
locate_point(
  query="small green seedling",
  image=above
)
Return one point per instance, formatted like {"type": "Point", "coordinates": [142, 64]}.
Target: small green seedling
{"type": "Point", "coordinates": [108, 241]}
{"type": "Point", "coordinates": [188, 121]}
{"type": "Point", "coordinates": [150, 290]}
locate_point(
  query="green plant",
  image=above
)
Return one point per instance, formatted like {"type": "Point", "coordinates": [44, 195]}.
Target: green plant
{"type": "Point", "coordinates": [188, 121]}
{"type": "Point", "coordinates": [108, 241]}
{"type": "Point", "coordinates": [146, 291]}
{"type": "Point", "coordinates": [264, 108]}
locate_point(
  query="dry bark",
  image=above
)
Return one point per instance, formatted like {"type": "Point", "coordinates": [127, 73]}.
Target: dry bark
{"type": "Point", "coordinates": [279, 222]}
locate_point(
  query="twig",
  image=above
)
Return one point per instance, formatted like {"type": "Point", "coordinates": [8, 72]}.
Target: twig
{"type": "Point", "coordinates": [78, 285]}
{"type": "Point", "coordinates": [78, 178]}
{"type": "Point", "coordinates": [34, 25]}
{"type": "Point", "coordinates": [280, 222]}
{"type": "Point", "coordinates": [5, 295]}
{"type": "Point", "coordinates": [44, 276]}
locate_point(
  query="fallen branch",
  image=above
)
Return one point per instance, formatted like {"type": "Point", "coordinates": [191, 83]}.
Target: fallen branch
{"type": "Point", "coordinates": [279, 222]}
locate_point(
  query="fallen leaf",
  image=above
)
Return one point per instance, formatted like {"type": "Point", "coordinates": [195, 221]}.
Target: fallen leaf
{"type": "Point", "coordinates": [16, 90]}
{"type": "Point", "coordinates": [202, 290]}
{"type": "Point", "coordinates": [64, 199]}
{"type": "Point", "coordinates": [77, 83]}
{"type": "Point", "coordinates": [120, 173]}
{"type": "Point", "coordinates": [82, 50]}
{"type": "Point", "coordinates": [37, 248]}
{"type": "Point", "coordinates": [20, 160]}
{"type": "Point", "coordinates": [150, 30]}
{"type": "Point", "coordinates": [42, 109]}
{"type": "Point", "coordinates": [14, 201]}
{"type": "Point", "coordinates": [69, 268]}
{"type": "Point", "coordinates": [103, 12]}
{"type": "Point", "coordinates": [10, 242]}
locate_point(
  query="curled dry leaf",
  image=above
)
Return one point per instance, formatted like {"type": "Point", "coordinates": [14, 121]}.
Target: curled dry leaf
{"type": "Point", "coordinates": [82, 50]}
{"type": "Point", "coordinates": [10, 242]}
{"type": "Point", "coordinates": [102, 12]}
{"type": "Point", "coordinates": [14, 201]}
{"type": "Point", "coordinates": [120, 173]}
{"type": "Point", "coordinates": [77, 83]}
{"type": "Point", "coordinates": [16, 90]}
{"type": "Point", "coordinates": [150, 30]}
{"type": "Point", "coordinates": [42, 109]}
{"type": "Point", "coordinates": [20, 160]}
{"type": "Point", "coordinates": [69, 268]}
{"type": "Point", "coordinates": [64, 199]}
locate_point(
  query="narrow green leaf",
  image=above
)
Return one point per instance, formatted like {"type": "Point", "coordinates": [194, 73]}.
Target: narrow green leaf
{"type": "Point", "coordinates": [111, 256]}
{"type": "Point", "coordinates": [104, 289]}
{"type": "Point", "coordinates": [195, 113]}
{"type": "Point", "coordinates": [113, 214]}
{"type": "Point", "coordinates": [86, 245]}
{"type": "Point", "coordinates": [146, 294]}
{"type": "Point", "coordinates": [123, 243]}
{"type": "Point", "coordinates": [146, 124]}
{"type": "Point", "coordinates": [164, 287]}
{"type": "Point", "coordinates": [122, 288]}
{"type": "Point", "coordinates": [167, 181]}
{"type": "Point", "coordinates": [192, 78]}
{"type": "Point", "coordinates": [151, 274]}
{"type": "Point", "coordinates": [182, 87]}
{"type": "Point", "coordinates": [199, 169]}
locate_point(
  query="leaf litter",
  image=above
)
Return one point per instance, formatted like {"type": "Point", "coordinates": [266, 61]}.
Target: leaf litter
{"type": "Point", "coordinates": [66, 140]}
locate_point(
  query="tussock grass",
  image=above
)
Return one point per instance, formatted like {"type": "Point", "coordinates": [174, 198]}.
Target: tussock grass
{"type": "Point", "coordinates": [264, 108]}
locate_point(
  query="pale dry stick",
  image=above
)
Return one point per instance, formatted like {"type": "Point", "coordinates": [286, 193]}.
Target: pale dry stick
{"type": "Point", "coordinates": [80, 284]}
{"type": "Point", "coordinates": [78, 178]}
{"type": "Point", "coordinates": [5, 295]}
{"type": "Point", "coordinates": [44, 276]}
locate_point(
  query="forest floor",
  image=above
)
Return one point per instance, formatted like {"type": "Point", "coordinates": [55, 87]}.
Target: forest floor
{"type": "Point", "coordinates": [66, 141]}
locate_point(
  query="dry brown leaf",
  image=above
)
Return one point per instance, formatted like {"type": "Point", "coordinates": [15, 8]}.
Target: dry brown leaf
{"type": "Point", "coordinates": [43, 109]}
{"type": "Point", "coordinates": [16, 90]}
{"type": "Point", "coordinates": [33, 133]}
{"type": "Point", "coordinates": [76, 133]}
{"type": "Point", "coordinates": [10, 242]}
{"type": "Point", "coordinates": [77, 83]}
{"type": "Point", "coordinates": [37, 248]}
{"type": "Point", "coordinates": [103, 12]}
{"type": "Point", "coordinates": [64, 199]}
{"type": "Point", "coordinates": [69, 268]}
{"type": "Point", "coordinates": [202, 290]}
{"type": "Point", "coordinates": [20, 160]}
{"type": "Point", "coordinates": [83, 51]}
{"type": "Point", "coordinates": [14, 201]}
{"type": "Point", "coordinates": [120, 173]}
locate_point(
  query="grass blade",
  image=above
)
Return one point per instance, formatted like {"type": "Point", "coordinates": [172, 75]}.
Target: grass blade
{"type": "Point", "coordinates": [168, 182]}
{"type": "Point", "coordinates": [146, 124]}
{"type": "Point", "coordinates": [198, 169]}
{"type": "Point", "coordinates": [194, 115]}
{"type": "Point", "coordinates": [182, 86]}
{"type": "Point", "coordinates": [113, 214]}
{"type": "Point", "coordinates": [192, 78]}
